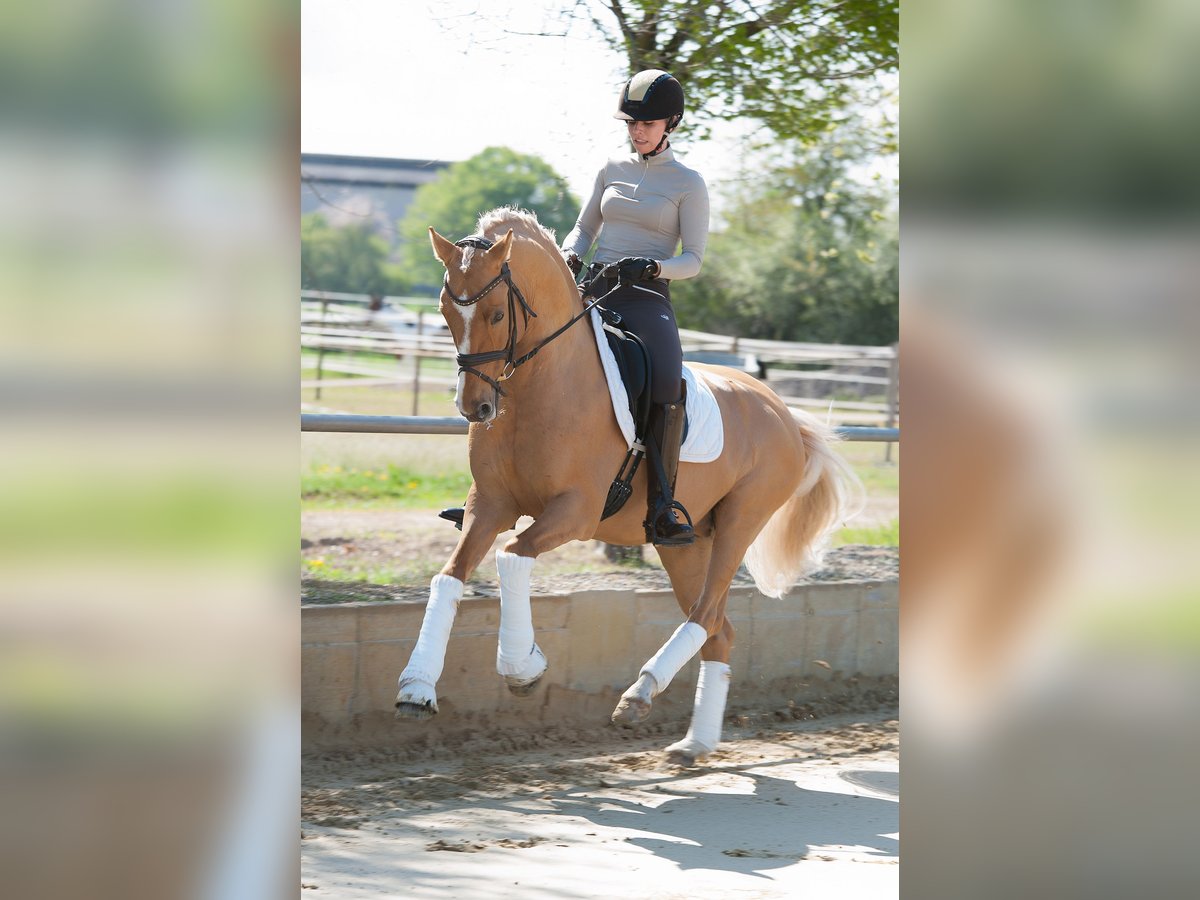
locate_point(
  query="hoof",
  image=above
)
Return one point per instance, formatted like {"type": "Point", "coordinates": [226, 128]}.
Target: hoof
{"type": "Point", "coordinates": [522, 687]}
{"type": "Point", "coordinates": [636, 702]}
{"type": "Point", "coordinates": [524, 677]}
{"type": "Point", "coordinates": [687, 753]}
{"type": "Point", "coordinates": [416, 700]}
{"type": "Point", "coordinates": [405, 710]}
{"type": "Point", "coordinates": [630, 712]}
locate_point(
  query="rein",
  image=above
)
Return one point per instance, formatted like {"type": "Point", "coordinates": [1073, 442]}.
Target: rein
{"type": "Point", "coordinates": [467, 362]}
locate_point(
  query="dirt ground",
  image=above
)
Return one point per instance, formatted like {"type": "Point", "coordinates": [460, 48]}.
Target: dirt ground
{"type": "Point", "coordinates": [799, 808]}
{"type": "Point", "coordinates": [410, 546]}
{"type": "Point", "coordinates": [789, 806]}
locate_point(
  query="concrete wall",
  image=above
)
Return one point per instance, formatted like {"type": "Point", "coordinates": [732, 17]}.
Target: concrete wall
{"type": "Point", "coordinates": [595, 642]}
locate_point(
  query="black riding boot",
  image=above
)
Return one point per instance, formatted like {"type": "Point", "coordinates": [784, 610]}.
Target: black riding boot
{"type": "Point", "coordinates": [666, 433]}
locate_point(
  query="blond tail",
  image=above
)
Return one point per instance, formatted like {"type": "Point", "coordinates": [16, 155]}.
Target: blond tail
{"type": "Point", "coordinates": [796, 536]}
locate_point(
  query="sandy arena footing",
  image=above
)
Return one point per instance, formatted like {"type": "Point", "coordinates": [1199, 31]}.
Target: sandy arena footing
{"type": "Point", "coordinates": [796, 808]}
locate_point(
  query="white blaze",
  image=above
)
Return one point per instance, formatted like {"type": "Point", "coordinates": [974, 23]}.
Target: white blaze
{"type": "Point", "coordinates": [464, 347]}
{"type": "Point", "coordinates": [467, 313]}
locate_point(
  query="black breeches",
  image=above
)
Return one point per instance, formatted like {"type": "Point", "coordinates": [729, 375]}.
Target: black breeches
{"type": "Point", "coordinates": [650, 317]}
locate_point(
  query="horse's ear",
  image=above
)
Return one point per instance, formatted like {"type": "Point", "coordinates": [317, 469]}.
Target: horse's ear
{"type": "Point", "coordinates": [444, 249]}
{"type": "Point", "coordinates": [502, 248]}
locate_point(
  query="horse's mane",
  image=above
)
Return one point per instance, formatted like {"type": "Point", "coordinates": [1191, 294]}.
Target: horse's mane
{"type": "Point", "coordinates": [523, 222]}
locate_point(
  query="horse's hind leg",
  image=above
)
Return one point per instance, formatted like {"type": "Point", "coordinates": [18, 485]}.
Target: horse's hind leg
{"type": "Point", "coordinates": [688, 573]}
{"type": "Point", "coordinates": [738, 520]}
{"type": "Point", "coordinates": [708, 708]}
{"type": "Point", "coordinates": [688, 568]}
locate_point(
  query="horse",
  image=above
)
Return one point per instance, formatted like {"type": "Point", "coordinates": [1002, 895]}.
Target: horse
{"type": "Point", "coordinates": [544, 442]}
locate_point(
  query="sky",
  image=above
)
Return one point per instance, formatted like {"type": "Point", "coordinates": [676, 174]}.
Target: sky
{"type": "Point", "coordinates": [417, 80]}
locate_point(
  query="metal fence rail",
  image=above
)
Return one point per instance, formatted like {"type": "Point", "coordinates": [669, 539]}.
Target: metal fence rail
{"type": "Point", "coordinates": [457, 425]}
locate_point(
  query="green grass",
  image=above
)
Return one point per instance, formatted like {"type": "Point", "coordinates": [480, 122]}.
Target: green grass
{"type": "Point", "coordinates": [881, 479]}
{"type": "Point", "coordinates": [432, 365]}
{"type": "Point", "coordinates": [316, 566]}
{"type": "Point", "coordinates": [879, 535]}
{"type": "Point", "coordinates": [326, 485]}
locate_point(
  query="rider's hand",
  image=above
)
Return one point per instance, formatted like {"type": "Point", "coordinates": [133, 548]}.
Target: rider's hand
{"type": "Point", "coordinates": [574, 263]}
{"type": "Point", "coordinates": [637, 268]}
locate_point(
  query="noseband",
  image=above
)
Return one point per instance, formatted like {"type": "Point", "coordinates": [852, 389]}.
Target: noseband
{"type": "Point", "coordinates": [467, 362]}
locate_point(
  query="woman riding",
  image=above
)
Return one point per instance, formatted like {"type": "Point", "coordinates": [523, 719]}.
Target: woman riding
{"type": "Point", "coordinates": [643, 208]}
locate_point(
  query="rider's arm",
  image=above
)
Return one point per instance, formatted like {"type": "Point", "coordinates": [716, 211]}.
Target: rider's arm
{"type": "Point", "coordinates": [693, 234]}
{"type": "Point", "coordinates": [587, 226]}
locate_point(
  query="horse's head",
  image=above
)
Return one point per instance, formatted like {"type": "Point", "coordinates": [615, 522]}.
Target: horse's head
{"type": "Point", "coordinates": [477, 304]}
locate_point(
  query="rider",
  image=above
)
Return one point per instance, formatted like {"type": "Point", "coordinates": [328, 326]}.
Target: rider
{"type": "Point", "coordinates": [643, 207]}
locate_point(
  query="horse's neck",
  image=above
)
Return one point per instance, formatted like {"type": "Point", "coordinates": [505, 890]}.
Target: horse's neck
{"type": "Point", "coordinates": [567, 370]}
{"type": "Point", "coordinates": [562, 386]}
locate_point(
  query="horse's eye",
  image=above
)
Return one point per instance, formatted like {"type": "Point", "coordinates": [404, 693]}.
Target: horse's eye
{"type": "Point", "coordinates": [497, 316]}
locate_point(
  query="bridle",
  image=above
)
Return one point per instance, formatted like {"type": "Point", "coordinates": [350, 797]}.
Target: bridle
{"type": "Point", "coordinates": [467, 362]}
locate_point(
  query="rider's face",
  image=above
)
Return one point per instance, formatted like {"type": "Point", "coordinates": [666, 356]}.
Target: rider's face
{"type": "Point", "coordinates": [646, 135]}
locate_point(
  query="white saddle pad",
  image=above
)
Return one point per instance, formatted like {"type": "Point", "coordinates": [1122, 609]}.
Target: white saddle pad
{"type": "Point", "coordinates": [706, 434]}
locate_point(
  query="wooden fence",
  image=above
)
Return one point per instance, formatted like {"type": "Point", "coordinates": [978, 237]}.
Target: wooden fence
{"type": "Point", "coordinates": [854, 385]}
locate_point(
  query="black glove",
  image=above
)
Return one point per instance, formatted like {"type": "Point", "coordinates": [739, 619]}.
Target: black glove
{"type": "Point", "coordinates": [637, 268]}
{"type": "Point", "coordinates": [574, 263]}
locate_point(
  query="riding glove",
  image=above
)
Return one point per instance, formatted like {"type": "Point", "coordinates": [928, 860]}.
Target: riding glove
{"type": "Point", "coordinates": [637, 268]}
{"type": "Point", "coordinates": [574, 263]}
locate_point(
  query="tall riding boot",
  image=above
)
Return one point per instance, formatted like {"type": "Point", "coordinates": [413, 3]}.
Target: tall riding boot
{"type": "Point", "coordinates": [666, 433]}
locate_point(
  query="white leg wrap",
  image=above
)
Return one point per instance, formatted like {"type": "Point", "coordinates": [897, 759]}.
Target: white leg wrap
{"type": "Point", "coordinates": [425, 665]}
{"type": "Point", "coordinates": [712, 688]}
{"type": "Point", "coordinates": [517, 656]}
{"type": "Point", "coordinates": [679, 648]}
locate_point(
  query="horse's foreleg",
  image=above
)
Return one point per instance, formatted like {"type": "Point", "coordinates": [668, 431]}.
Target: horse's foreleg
{"type": "Point", "coordinates": [518, 657]}
{"type": "Point", "coordinates": [417, 695]}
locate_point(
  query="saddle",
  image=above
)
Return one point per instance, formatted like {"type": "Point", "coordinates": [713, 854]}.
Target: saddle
{"type": "Point", "coordinates": [634, 364]}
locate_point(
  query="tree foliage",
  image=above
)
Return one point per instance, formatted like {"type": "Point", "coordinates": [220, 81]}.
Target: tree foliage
{"type": "Point", "coordinates": [793, 65]}
{"type": "Point", "coordinates": [810, 255]}
{"type": "Point", "coordinates": [351, 258]}
{"type": "Point", "coordinates": [495, 177]}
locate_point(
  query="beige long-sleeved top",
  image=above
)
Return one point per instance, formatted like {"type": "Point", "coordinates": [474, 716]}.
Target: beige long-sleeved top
{"type": "Point", "coordinates": [645, 207]}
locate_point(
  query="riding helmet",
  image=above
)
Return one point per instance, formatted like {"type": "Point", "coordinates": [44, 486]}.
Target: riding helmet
{"type": "Point", "coordinates": [649, 95]}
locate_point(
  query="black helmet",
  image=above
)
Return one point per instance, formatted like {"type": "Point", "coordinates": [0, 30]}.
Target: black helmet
{"type": "Point", "coordinates": [649, 95]}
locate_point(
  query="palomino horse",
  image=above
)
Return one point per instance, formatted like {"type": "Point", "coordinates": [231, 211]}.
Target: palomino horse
{"type": "Point", "coordinates": [544, 442]}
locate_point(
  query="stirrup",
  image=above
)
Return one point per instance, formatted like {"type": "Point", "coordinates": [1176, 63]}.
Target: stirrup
{"type": "Point", "coordinates": [681, 534]}
{"type": "Point", "coordinates": [454, 514]}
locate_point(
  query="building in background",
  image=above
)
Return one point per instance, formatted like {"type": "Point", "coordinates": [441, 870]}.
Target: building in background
{"type": "Point", "coordinates": [352, 189]}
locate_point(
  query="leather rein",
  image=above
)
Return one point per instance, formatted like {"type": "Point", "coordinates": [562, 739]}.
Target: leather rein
{"type": "Point", "coordinates": [467, 362]}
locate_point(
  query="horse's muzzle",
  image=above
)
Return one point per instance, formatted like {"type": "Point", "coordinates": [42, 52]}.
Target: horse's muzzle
{"type": "Point", "coordinates": [482, 412]}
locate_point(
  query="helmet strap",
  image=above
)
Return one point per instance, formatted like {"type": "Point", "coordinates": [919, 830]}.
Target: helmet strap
{"type": "Point", "coordinates": [663, 144]}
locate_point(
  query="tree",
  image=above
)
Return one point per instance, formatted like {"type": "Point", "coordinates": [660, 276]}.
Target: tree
{"type": "Point", "coordinates": [351, 258]}
{"type": "Point", "coordinates": [793, 65]}
{"type": "Point", "coordinates": [811, 254]}
{"type": "Point", "coordinates": [453, 203]}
